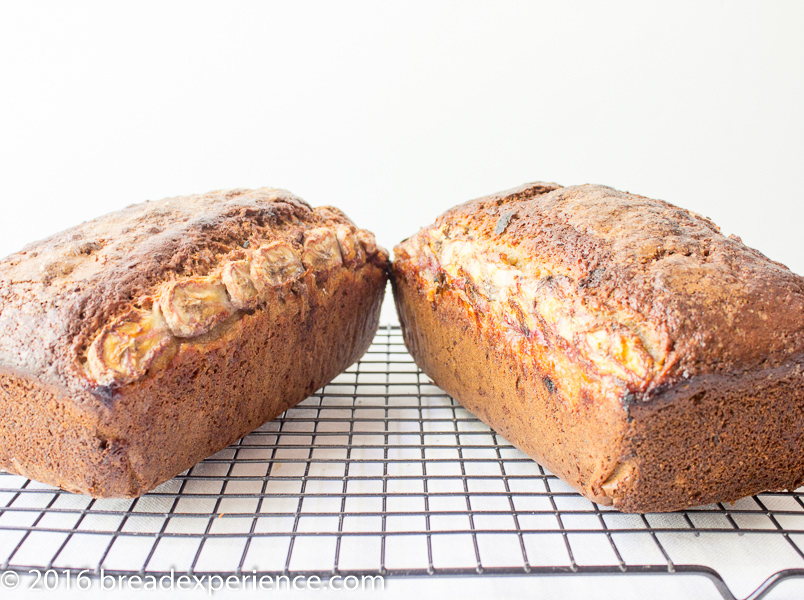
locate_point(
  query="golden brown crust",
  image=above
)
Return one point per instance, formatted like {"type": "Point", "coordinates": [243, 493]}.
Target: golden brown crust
{"type": "Point", "coordinates": [158, 350]}
{"type": "Point", "coordinates": [61, 291]}
{"type": "Point", "coordinates": [509, 392]}
{"type": "Point", "coordinates": [585, 324]}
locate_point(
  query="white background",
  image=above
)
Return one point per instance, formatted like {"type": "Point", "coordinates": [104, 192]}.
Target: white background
{"type": "Point", "coordinates": [397, 111]}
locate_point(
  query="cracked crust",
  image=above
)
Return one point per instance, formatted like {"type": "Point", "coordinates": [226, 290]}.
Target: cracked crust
{"type": "Point", "coordinates": [576, 320]}
{"type": "Point", "coordinates": [137, 344]}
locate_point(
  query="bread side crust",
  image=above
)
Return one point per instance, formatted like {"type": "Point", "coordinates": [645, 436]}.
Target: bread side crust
{"type": "Point", "coordinates": [581, 442]}
{"type": "Point", "coordinates": [211, 393]}
{"type": "Point", "coordinates": [714, 439]}
{"type": "Point", "coordinates": [706, 440]}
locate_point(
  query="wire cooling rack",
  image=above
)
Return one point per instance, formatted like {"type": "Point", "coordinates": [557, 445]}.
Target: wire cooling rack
{"type": "Point", "coordinates": [382, 473]}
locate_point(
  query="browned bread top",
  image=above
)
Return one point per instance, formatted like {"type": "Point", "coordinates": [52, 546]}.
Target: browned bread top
{"type": "Point", "coordinates": [644, 291]}
{"type": "Point", "coordinates": [98, 305]}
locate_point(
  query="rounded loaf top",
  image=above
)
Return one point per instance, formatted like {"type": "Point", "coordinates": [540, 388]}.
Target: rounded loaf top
{"type": "Point", "coordinates": [101, 300]}
{"type": "Point", "coordinates": [695, 300]}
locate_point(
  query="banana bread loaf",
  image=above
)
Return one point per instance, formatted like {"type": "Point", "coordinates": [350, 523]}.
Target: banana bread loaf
{"type": "Point", "coordinates": [135, 345]}
{"type": "Point", "coordinates": [624, 343]}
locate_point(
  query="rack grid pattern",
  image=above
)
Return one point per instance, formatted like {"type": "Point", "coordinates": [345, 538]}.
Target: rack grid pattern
{"type": "Point", "coordinates": [382, 473]}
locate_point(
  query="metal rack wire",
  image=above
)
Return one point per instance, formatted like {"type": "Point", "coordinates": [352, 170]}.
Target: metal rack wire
{"type": "Point", "coordinates": [382, 473]}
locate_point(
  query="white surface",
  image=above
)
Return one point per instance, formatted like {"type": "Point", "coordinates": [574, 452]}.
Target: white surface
{"type": "Point", "coordinates": [395, 112]}
{"type": "Point", "coordinates": [489, 588]}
